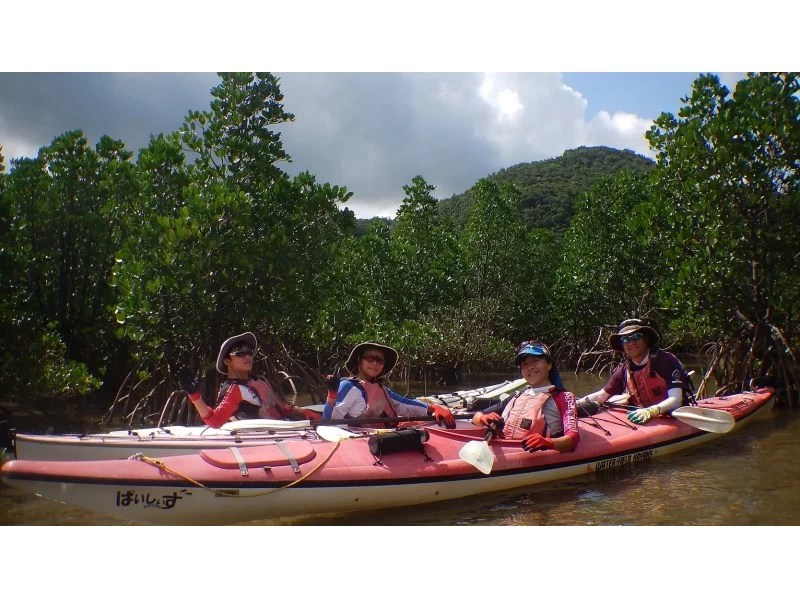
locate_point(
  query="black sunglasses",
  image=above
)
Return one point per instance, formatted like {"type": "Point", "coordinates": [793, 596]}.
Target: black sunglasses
{"type": "Point", "coordinates": [241, 353]}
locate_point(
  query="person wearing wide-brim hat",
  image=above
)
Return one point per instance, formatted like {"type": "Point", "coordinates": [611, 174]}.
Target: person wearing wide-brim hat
{"type": "Point", "coordinates": [652, 379]}
{"type": "Point", "coordinates": [543, 415]}
{"type": "Point", "coordinates": [365, 396]}
{"type": "Point", "coordinates": [242, 395]}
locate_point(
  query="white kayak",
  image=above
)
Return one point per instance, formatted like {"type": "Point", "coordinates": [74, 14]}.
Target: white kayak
{"type": "Point", "coordinates": [180, 440]}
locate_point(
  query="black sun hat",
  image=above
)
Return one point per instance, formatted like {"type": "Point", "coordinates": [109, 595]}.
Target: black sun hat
{"type": "Point", "coordinates": [629, 327]}
{"type": "Point", "coordinates": [389, 355]}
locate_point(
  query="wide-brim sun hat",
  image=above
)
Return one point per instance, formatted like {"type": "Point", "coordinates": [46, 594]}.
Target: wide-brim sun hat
{"type": "Point", "coordinates": [246, 337]}
{"type": "Point", "coordinates": [629, 327]}
{"type": "Point", "coordinates": [538, 349]}
{"type": "Point", "coordinates": [389, 356]}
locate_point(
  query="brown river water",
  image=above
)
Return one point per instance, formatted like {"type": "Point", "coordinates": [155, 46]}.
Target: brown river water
{"type": "Point", "coordinates": [749, 477]}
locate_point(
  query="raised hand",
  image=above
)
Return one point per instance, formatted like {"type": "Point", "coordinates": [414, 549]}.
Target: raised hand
{"type": "Point", "coordinates": [189, 382]}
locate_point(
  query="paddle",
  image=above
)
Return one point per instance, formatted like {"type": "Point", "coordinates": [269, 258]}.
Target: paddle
{"type": "Point", "coordinates": [708, 420]}
{"type": "Point", "coordinates": [277, 424]}
{"type": "Point", "coordinates": [478, 454]}
{"type": "Point", "coordinates": [384, 420]}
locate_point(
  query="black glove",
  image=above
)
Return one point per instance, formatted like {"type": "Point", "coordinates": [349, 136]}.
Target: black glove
{"type": "Point", "coordinates": [332, 382]}
{"type": "Point", "coordinates": [189, 383]}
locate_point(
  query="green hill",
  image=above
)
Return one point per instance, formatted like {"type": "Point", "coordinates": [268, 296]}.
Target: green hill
{"type": "Point", "coordinates": [550, 187]}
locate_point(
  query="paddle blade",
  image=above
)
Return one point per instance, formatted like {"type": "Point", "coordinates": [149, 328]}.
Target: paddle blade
{"type": "Point", "coordinates": [708, 420]}
{"type": "Point", "coordinates": [478, 454]}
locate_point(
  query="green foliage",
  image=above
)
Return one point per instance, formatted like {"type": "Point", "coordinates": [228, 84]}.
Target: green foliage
{"type": "Point", "coordinates": [423, 247]}
{"type": "Point", "coordinates": [227, 245]}
{"type": "Point", "coordinates": [728, 180]}
{"type": "Point", "coordinates": [611, 266]}
{"type": "Point", "coordinates": [117, 270]}
{"type": "Point", "coordinates": [549, 188]}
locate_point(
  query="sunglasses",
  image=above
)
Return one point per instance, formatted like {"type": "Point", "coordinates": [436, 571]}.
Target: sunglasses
{"type": "Point", "coordinates": [241, 353]}
{"type": "Point", "coordinates": [374, 358]}
{"type": "Point", "coordinates": [631, 337]}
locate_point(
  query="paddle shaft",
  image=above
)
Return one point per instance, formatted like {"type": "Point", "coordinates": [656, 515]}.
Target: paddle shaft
{"type": "Point", "coordinates": [384, 420]}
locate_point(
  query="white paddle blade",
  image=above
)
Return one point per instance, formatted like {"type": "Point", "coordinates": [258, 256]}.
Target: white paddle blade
{"type": "Point", "coordinates": [478, 454]}
{"type": "Point", "coordinates": [708, 420]}
{"type": "Point", "coordinates": [334, 434]}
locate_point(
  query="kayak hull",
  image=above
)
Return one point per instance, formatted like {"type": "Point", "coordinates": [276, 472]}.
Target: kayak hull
{"type": "Point", "coordinates": [311, 476]}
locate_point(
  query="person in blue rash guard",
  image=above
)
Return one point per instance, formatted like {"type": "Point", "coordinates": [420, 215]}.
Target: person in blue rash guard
{"type": "Point", "coordinates": [653, 379]}
{"type": "Point", "coordinates": [543, 415]}
{"type": "Point", "coordinates": [364, 394]}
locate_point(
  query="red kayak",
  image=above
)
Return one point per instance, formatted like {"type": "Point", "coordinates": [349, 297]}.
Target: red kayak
{"type": "Point", "coordinates": [364, 470]}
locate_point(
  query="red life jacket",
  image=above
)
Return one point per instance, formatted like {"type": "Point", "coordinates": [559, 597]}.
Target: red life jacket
{"type": "Point", "coordinates": [523, 415]}
{"type": "Point", "coordinates": [269, 399]}
{"type": "Point", "coordinates": [646, 387]}
{"type": "Point", "coordinates": [268, 407]}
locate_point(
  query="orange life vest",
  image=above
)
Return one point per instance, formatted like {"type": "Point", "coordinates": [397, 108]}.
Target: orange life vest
{"type": "Point", "coordinates": [523, 415]}
{"type": "Point", "coordinates": [646, 387]}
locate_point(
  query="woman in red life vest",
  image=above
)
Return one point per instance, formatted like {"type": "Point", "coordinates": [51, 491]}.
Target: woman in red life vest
{"type": "Point", "coordinates": [241, 395]}
{"type": "Point", "coordinates": [543, 415]}
{"type": "Point", "coordinates": [364, 394]}
{"type": "Point", "coordinates": [654, 379]}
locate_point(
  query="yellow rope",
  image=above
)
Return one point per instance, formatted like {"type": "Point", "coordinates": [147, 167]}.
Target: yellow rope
{"type": "Point", "coordinates": [161, 465]}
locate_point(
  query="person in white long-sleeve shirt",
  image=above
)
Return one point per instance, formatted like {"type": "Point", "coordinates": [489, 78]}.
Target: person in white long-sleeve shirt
{"type": "Point", "coordinates": [653, 379]}
{"type": "Point", "coordinates": [364, 395]}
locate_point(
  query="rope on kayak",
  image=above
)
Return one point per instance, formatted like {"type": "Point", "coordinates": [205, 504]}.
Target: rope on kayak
{"type": "Point", "coordinates": [230, 493]}
{"type": "Point", "coordinates": [623, 421]}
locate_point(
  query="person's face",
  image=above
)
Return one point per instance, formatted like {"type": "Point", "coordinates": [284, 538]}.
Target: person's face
{"type": "Point", "coordinates": [536, 370]}
{"type": "Point", "coordinates": [240, 359]}
{"type": "Point", "coordinates": [636, 345]}
{"type": "Point", "coordinates": [371, 362]}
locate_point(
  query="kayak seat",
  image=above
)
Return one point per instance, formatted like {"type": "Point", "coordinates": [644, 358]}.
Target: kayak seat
{"type": "Point", "coordinates": [267, 455]}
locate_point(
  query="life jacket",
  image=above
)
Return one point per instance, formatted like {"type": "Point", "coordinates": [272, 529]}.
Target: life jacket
{"type": "Point", "coordinates": [376, 398]}
{"type": "Point", "coordinates": [523, 415]}
{"type": "Point", "coordinates": [268, 400]}
{"type": "Point", "coordinates": [646, 387]}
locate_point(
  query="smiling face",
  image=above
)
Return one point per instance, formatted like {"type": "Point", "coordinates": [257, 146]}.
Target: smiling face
{"type": "Point", "coordinates": [536, 370]}
{"type": "Point", "coordinates": [371, 363]}
{"type": "Point", "coordinates": [636, 347]}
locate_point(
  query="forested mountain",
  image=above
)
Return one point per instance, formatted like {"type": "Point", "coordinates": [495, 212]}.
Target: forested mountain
{"type": "Point", "coordinates": [549, 188]}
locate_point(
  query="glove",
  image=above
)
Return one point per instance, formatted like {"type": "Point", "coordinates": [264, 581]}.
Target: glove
{"type": "Point", "coordinates": [442, 414]}
{"type": "Point", "coordinates": [640, 416]}
{"type": "Point", "coordinates": [332, 382]}
{"type": "Point", "coordinates": [189, 383]}
{"type": "Point", "coordinates": [489, 419]}
{"type": "Point", "coordinates": [536, 442]}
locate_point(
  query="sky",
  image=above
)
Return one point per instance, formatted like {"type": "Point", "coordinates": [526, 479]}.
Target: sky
{"type": "Point", "coordinates": [369, 117]}
{"type": "Point", "coordinates": [371, 132]}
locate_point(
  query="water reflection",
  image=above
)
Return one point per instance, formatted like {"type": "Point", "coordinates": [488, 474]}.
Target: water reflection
{"type": "Point", "coordinates": [748, 477]}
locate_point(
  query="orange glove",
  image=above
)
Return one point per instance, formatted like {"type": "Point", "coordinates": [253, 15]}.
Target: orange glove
{"type": "Point", "coordinates": [442, 414]}
{"type": "Point", "coordinates": [536, 442]}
